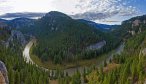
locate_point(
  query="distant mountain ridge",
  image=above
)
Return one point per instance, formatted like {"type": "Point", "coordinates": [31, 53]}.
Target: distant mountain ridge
{"type": "Point", "coordinates": [103, 27]}
{"type": "Point", "coordinates": [17, 23]}
{"type": "Point", "coordinates": [3, 20]}
{"type": "Point", "coordinates": [22, 20]}
{"type": "Point", "coordinates": [21, 23]}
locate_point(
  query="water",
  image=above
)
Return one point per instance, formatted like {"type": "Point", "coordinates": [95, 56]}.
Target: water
{"type": "Point", "coordinates": [70, 71]}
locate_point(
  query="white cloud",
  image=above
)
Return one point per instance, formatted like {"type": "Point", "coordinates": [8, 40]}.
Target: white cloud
{"type": "Point", "coordinates": [25, 6]}
{"type": "Point", "coordinates": [84, 9]}
{"type": "Point", "coordinates": [31, 5]}
{"type": "Point", "coordinates": [4, 7]}
{"type": "Point", "coordinates": [93, 9]}
{"type": "Point", "coordinates": [66, 6]}
{"type": "Point", "coordinates": [3, 0]}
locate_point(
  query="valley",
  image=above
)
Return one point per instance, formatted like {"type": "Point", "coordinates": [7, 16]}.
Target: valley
{"type": "Point", "coordinates": [69, 51]}
{"type": "Point", "coordinates": [73, 67]}
{"type": "Point", "coordinates": [72, 42]}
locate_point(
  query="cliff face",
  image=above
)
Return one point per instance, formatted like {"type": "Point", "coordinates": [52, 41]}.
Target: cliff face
{"type": "Point", "coordinates": [3, 74]}
{"type": "Point", "coordinates": [97, 46]}
{"type": "Point", "coordinates": [16, 36]}
{"type": "Point", "coordinates": [135, 25]}
{"type": "Point", "coordinates": [10, 37]}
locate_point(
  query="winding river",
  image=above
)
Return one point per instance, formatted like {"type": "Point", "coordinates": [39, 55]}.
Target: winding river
{"type": "Point", "coordinates": [71, 71]}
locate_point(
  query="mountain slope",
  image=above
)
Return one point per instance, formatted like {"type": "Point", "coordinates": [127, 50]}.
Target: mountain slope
{"type": "Point", "coordinates": [62, 38]}
{"type": "Point", "coordinates": [3, 23]}
{"type": "Point", "coordinates": [131, 27]}
{"type": "Point", "coordinates": [4, 33]}
{"type": "Point", "coordinates": [59, 37]}
{"type": "Point", "coordinates": [129, 66]}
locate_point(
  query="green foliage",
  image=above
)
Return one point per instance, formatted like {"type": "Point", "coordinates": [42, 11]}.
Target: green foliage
{"type": "Point", "coordinates": [76, 78]}
{"type": "Point", "coordinates": [132, 68]}
{"type": "Point", "coordinates": [135, 41]}
{"type": "Point", "coordinates": [60, 38]}
{"type": "Point", "coordinates": [4, 33]}
{"type": "Point", "coordinates": [19, 72]}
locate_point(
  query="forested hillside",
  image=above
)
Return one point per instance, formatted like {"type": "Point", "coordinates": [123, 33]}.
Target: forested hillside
{"type": "Point", "coordinates": [129, 67]}
{"type": "Point", "coordinates": [126, 68]}
{"type": "Point", "coordinates": [61, 38]}
{"type": "Point", "coordinates": [19, 72]}
{"type": "Point", "coordinates": [4, 33]}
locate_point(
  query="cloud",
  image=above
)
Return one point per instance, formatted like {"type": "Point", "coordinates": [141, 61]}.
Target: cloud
{"type": "Point", "coordinates": [12, 6]}
{"type": "Point", "coordinates": [22, 14]}
{"type": "Point", "coordinates": [93, 15]}
{"type": "Point", "coordinates": [111, 21]}
{"type": "Point", "coordinates": [4, 7]}
{"type": "Point", "coordinates": [78, 9]}
{"type": "Point", "coordinates": [101, 9]}
{"type": "Point", "coordinates": [3, 1]}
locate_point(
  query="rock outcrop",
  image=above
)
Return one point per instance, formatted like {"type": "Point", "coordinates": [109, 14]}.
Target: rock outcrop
{"type": "Point", "coordinates": [97, 46]}
{"type": "Point", "coordinates": [136, 23]}
{"type": "Point", "coordinates": [144, 51]}
{"type": "Point", "coordinates": [16, 36]}
{"type": "Point", "coordinates": [3, 74]}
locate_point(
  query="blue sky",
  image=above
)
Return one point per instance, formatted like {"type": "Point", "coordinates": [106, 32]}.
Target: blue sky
{"type": "Point", "coordinates": [101, 11]}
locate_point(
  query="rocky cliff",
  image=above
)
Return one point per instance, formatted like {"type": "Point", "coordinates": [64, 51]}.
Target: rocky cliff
{"type": "Point", "coordinates": [3, 74]}
{"type": "Point", "coordinates": [16, 36]}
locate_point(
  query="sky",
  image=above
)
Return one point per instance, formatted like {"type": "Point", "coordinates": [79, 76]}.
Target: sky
{"type": "Point", "coordinates": [101, 11]}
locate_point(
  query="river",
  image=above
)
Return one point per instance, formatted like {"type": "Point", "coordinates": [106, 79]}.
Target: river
{"type": "Point", "coordinates": [118, 50]}
{"type": "Point", "coordinates": [70, 71]}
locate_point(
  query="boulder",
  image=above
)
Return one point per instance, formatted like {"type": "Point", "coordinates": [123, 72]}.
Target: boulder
{"type": "Point", "coordinates": [3, 74]}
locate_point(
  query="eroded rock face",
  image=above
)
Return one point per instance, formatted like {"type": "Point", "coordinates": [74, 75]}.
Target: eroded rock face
{"type": "Point", "coordinates": [3, 74]}
{"type": "Point", "coordinates": [132, 32]}
{"type": "Point", "coordinates": [97, 46]}
{"type": "Point", "coordinates": [136, 23]}
{"type": "Point", "coordinates": [144, 51]}
{"type": "Point", "coordinates": [16, 36]}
